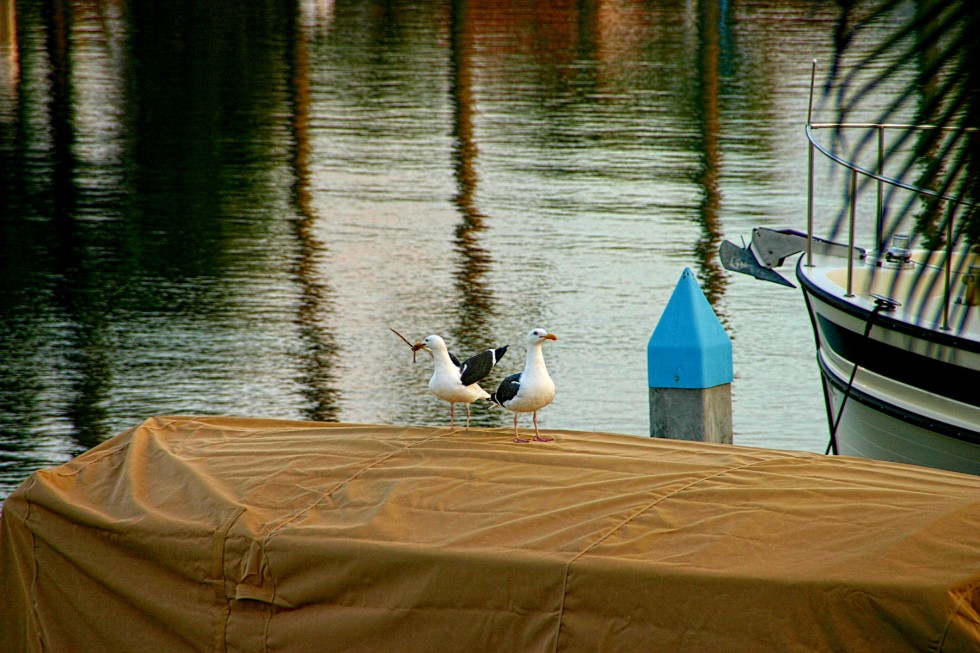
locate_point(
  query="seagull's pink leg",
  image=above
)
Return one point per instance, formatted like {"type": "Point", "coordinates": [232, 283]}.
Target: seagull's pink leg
{"type": "Point", "coordinates": [467, 417]}
{"type": "Point", "coordinates": [452, 415]}
{"type": "Point", "coordinates": [538, 436]}
{"type": "Point", "coordinates": [517, 436]}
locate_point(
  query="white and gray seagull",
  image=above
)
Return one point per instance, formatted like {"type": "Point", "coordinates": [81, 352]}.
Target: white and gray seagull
{"type": "Point", "coordinates": [532, 389]}
{"type": "Point", "coordinates": [457, 382]}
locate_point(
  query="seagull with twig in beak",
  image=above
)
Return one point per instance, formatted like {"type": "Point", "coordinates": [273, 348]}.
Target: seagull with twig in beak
{"type": "Point", "coordinates": [457, 382]}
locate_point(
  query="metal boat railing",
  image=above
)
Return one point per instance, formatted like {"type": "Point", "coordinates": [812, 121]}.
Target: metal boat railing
{"type": "Point", "coordinates": [881, 180]}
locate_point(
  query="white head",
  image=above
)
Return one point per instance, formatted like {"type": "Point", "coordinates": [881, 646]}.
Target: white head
{"type": "Point", "coordinates": [539, 336]}
{"type": "Point", "coordinates": [430, 343]}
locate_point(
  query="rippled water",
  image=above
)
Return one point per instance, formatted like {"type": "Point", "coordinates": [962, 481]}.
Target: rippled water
{"type": "Point", "coordinates": [220, 208]}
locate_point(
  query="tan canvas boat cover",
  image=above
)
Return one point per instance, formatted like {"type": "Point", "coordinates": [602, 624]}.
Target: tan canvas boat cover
{"type": "Point", "coordinates": [215, 534]}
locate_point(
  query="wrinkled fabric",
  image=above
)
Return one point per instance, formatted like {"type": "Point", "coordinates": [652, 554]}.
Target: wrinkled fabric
{"type": "Point", "coordinates": [226, 534]}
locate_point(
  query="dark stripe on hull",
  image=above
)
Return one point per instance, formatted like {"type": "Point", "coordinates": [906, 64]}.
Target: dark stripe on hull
{"type": "Point", "coordinates": [927, 374]}
{"type": "Point", "coordinates": [943, 338]}
{"type": "Point", "coordinates": [942, 428]}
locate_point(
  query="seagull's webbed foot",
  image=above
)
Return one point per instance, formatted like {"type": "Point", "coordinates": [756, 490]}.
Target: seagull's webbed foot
{"type": "Point", "coordinates": [517, 433]}
{"type": "Point", "coordinates": [537, 436]}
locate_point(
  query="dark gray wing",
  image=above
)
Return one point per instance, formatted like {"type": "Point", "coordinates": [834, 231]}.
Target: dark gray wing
{"type": "Point", "coordinates": [453, 358]}
{"type": "Point", "coordinates": [476, 368]}
{"type": "Point", "coordinates": [507, 390]}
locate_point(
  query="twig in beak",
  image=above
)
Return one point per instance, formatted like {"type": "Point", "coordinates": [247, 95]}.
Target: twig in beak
{"type": "Point", "coordinates": [415, 347]}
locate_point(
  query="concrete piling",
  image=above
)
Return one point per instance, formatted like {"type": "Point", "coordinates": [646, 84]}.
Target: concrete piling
{"type": "Point", "coordinates": [689, 369]}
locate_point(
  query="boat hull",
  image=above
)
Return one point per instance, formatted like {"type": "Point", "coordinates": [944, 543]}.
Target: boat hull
{"type": "Point", "coordinates": [914, 396]}
{"type": "Point", "coordinates": [868, 429]}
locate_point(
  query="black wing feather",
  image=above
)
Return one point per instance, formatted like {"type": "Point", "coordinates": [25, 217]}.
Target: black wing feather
{"type": "Point", "coordinates": [453, 358]}
{"type": "Point", "coordinates": [476, 368]}
{"type": "Point", "coordinates": [507, 390]}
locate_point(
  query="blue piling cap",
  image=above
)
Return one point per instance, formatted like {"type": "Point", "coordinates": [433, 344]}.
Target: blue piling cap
{"type": "Point", "coordinates": [689, 348]}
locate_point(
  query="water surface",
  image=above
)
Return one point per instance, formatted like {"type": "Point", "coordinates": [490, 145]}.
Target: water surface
{"type": "Point", "coordinates": [220, 208]}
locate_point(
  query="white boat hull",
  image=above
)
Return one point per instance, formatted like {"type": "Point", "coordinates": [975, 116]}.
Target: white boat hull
{"type": "Point", "coordinates": [866, 431]}
{"type": "Point", "coordinates": [897, 327]}
{"type": "Point", "coordinates": [915, 394]}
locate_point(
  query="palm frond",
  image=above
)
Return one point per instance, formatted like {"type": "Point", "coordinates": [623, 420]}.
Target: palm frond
{"type": "Point", "coordinates": [938, 38]}
{"type": "Point", "coordinates": [927, 52]}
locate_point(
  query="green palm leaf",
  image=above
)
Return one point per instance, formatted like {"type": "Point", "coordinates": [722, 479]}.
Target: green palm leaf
{"type": "Point", "coordinates": [937, 38]}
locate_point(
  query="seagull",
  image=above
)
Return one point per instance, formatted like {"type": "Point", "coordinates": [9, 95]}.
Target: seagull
{"type": "Point", "coordinates": [532, 389]}
{"type": "Point", "coordinates": [455, 382]}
